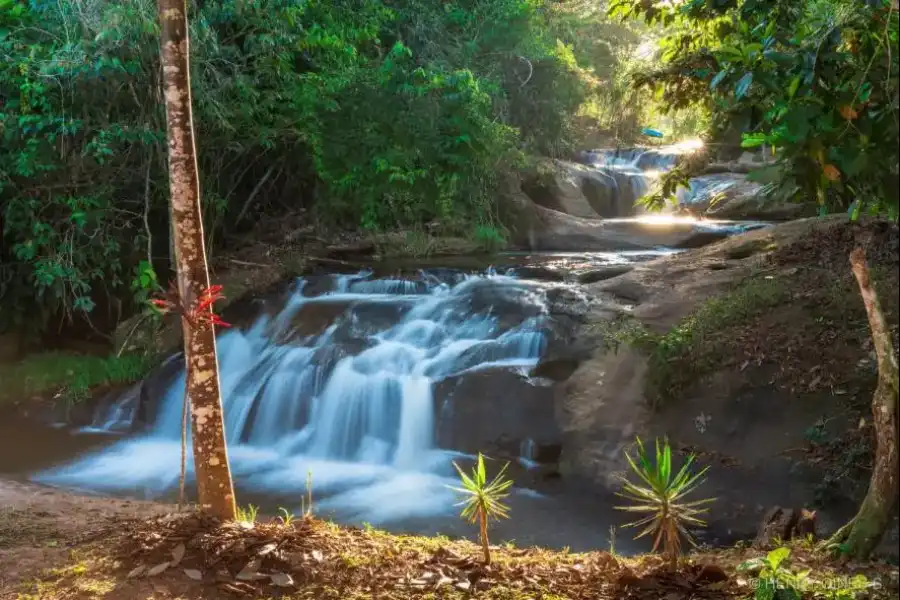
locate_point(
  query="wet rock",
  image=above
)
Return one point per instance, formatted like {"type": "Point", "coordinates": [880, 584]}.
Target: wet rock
{"type": "Point", "coordinates": [604, 273]}
{"type": "Point", "coordinates": [540, 273]}
{"type": "Point", "coordinates": [568, 302]}
{"type": "Point", "coordinates": [543, 452]}
{"type": "Point", "coordinates": [734, 196]}
{"type": "Point", "coordinates": [588, 191]}
{"type": "Point", "coordinates": [555, 231]}
{"type": "Point", "coordinates": [154, 388]}
{"type": "Point", "coordinates": [352, 250]}
{"type": "Point", "coordinates": [702, 238]}
{"type": "Point", "coordinates": [563, 357]}
{"type": "Point", "coordinates": [494, 408]}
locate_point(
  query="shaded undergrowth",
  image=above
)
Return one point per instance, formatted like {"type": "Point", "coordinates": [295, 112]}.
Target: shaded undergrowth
{"type": "Point", "coordinates": [71, 377]}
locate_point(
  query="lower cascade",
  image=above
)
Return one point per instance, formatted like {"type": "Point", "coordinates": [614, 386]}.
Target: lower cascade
{"type": "Point", "coordinates": [339, 385]}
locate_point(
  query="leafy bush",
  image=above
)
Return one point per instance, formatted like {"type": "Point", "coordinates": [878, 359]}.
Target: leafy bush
{"type": "Point", "coordinates": [376, 114]}
{"type": "Point", "coordinates": [661, 492]}
{"type": "Point", "coordinates": [777, 581]}
{"type": "Point", "coordinates": [815, 79]}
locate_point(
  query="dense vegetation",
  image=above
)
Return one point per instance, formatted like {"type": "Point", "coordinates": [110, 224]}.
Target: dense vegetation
{"type": "Point", "coordinates": [372, 114]}
{"type": "Point", "coordinates": [816, 80]}
{"type": "Point", "coordinates": [401, 114]}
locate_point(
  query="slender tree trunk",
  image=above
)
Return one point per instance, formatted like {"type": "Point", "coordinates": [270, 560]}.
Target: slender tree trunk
{"type": "Point", "coordinates": [214, 487]}
{"type": "Point", "coordinates": [485, 543]}
{"type": "Point", "coordinates": [861, 535]}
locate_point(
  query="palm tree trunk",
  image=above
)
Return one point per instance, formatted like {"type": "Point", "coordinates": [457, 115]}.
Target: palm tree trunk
{"type": "Point", "coordinates": [214, 486]}
{"type": "Point", "coordinates": [861, 535]}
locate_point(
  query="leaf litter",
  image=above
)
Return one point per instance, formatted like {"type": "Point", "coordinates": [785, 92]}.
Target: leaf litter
{"type": "Point", "coordinates": [323, 559]}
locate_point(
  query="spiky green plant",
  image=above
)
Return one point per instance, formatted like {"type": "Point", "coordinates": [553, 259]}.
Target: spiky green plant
{"type": "Point", "coordinates": [482, 499]}
{"type": "Point", "coordinates": [287, 517]}
{"type": "Point", "coordinates": [307, 504]}
{"type": "Point", "coordinates": [247, 515]}
{"type": "Point", "coordinates": [660, 494]}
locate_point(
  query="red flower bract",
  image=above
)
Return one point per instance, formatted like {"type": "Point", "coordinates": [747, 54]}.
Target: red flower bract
{"type": "Point", "coordinates": [201, 312]}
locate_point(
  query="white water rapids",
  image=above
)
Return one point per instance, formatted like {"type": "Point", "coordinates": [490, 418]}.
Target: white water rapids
{"type": "Point", "coordinates": [352, 403]}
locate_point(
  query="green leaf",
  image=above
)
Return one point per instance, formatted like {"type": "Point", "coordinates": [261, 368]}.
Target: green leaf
{"type": "Point", "coordinates": [743, 85]}
{"type": "Point", "coordinates": [718, 78]}
{"type": "Point", "coordinates": [753, 140]}
{"type": "Point", "coordinates": [777, 556]}
{"type": "Point", "coordinates": [793, 87]}
{"type": "Point", "coordinates": [731, 50]}
{"type": "Point", "coordinates": [749, 49]}
{"type": "Point", "coordinates": [754, 564]}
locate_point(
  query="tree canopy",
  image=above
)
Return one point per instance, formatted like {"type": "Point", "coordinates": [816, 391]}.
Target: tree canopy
{"type": "Point", "coordinates": [817, 80]}
{"type": "Point", "coordinates": [370, 114]}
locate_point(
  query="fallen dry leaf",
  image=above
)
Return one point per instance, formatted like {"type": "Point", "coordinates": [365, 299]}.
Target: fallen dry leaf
{"type": "Point", "coordinates": [158, 569]}
{"type": "Point", "coordinates": [177, 554]}
{"type": "Point", "coordinates": [266, 549]}
{"type": "Point", "coordinates": [136, 572]}
{"type": "Point", "coordinates": [282, 579]}
{"type": "Point", "coordinates": [250, 572]}
{"type": "Point", "coordinates": [194, 574]}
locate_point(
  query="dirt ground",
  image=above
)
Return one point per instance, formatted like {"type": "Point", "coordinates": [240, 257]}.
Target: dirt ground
{"type": "Point", "coordinates": [59, 546]}
{"type": "Point", "coordinates": [41, 529]}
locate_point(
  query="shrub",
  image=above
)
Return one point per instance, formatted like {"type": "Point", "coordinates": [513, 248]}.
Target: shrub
{"type": "Point", "coordinates": [483, 499]}
{"type": "Point", "coordinates": [661, 493]}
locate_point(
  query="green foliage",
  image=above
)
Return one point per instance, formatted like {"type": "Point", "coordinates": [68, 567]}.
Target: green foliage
{"type": "Point", "coordinates": [488, 238]}
{"type": "Point", "coordinates": [287, 518]}
{"type": "Point", "coordinates": [306, 503]}
{"type": "Point", "coordinates": [687, 351]}
{"type": "Point", "coordinates": [145, 284]}
{"type": "Point", "coordinates": [817, 80]}
{"type": "Point", "coordinates": [70, 376]}
{"type": "Point", "coordinates": [483, 499]}
{"type": "Point", "coordinates": [661, 493]}
{"type": "Point", "coordinates": [247, 514]}
{"type": "Point", "coordinates": [777, 581]}
{"type": "Point", "coordinates": [380, 115]}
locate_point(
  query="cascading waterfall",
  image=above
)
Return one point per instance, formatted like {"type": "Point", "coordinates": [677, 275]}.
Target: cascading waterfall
{"type": "Point", "coordinates": [339, 382]}
{"type": "Point", "coordinates": [629, 173]}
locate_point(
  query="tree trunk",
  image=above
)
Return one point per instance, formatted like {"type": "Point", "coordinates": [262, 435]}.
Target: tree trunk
{"type": "Point", "coordinates": [860, 537]}
{"type": "Point", "coordinates": [485, 543]}
{"type": "Point", "coordinates": [214, 487]}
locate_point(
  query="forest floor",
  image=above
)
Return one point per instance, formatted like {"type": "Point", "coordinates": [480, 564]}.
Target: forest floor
{"type": "Point", "coordinates": [60, 546]}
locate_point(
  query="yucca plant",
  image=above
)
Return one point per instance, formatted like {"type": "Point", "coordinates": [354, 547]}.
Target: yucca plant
{"type": "Point", "coordinates": [661, 494]}
{"type": "Point", "coordinates": [482, 499]}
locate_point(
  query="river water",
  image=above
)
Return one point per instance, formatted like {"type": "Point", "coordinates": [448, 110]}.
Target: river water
{"type": "Point", "coordinates": [371, 386]}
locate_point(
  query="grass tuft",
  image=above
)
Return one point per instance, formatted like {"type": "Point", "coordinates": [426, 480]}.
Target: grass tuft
{"type": "Point", "coordinates": [687, 352]}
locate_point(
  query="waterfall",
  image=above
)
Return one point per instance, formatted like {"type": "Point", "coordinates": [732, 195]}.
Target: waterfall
{"type": "Point", "coordinates": [620, 177]}
{"type": "Point", "coordinates": [339, 382]}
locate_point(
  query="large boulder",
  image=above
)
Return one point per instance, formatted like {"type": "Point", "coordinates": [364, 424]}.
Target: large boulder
{"type": "Point", "coordinates": [555, 231]}
{"type": "Point", "coordinates": [586, 191]}
{"type": "Point", "coordinates": [735, 196]}
{"type": "Point", "coordinates": [535, 227]}
{"type": "Point", "coordinates": [494, 410]}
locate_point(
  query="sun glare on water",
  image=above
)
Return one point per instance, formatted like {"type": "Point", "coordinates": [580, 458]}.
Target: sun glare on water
{"type": "Point", "coordinates": [687, 146]}
{"type": "Point", "coordinates": [665, 219]}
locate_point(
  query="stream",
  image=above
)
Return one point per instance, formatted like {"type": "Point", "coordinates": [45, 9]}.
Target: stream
{"type": "Point", "coordinates": [370, 385]}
